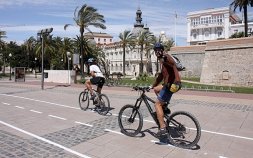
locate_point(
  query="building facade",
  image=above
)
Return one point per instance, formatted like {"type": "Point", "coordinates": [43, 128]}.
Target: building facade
{"type": "Point", "coordinates": [212, 24]}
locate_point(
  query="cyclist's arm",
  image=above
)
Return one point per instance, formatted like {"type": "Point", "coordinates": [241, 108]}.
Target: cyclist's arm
{"type": "Point", "coordinates": [158, 80]}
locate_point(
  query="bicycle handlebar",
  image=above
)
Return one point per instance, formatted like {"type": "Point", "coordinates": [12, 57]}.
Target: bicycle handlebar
{"type": "Point", "coordinates": [143, 89]}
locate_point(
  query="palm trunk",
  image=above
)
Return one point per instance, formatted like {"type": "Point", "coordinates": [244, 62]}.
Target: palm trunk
{"type": "Point", "coordinates": [245, 20]}
{"type": "Point", "coordinates": [141, 71]}
{"type": "Point", "coordinates": [124, 59]}
{"type": "Point", "coordinates": [82, 52]}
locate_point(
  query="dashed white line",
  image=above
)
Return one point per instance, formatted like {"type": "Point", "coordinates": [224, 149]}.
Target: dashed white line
{"type": "Point", "coordinates": [41, 101]}
{"type": "Point", "coordinates": [229, 135]}
{"type": "Point", "coordinates": [36, 111]}
{"type": "Point", "coordinates": [84, 124]}
{"type": "Point", "coordinates": [45, 140]}
{"type": "Point", "coordinates": [61, 118]}
{"type": "Point", "coordinates": [108, 130]}
{"type": "Point", "coordinates": [5, 103]}
{"type": "Point", "coordinates": [20, 107]}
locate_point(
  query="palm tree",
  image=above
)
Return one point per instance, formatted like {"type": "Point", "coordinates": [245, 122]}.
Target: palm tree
{"type": "Point", "coordinates": [84, 17]}
{"type": "Point", "coordinates": [49, 50]}
{"type": "Point", "coordinates": [242, 4]}
{"type": "Point", "coordinates": [144, 38]}
{"type": "Point", "coordinates": [29, 46]}
{"type": "Point", "coordinates": [2, 35]}
{"type": "Point", "coordinates": [2, 46]}
{"type": "Point", "coordinates": [126, 39]}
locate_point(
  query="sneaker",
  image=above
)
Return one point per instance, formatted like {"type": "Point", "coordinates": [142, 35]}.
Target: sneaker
{"type": "Point", "coordinates": [93, 97]}
{"type": "Point", "coordinates": [162, 132]}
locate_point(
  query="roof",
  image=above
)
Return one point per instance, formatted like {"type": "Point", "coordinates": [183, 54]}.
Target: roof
{"type": "Point", "coordinates": [97, 34]}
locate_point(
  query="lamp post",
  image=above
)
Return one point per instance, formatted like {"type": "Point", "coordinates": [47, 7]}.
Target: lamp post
{"type": "Point", "coordinates": [41, 35]}
{"type": "Point", "coordinates": [10, 55]}
{"type": "Point", "coordinates": [35, 67]}
{"type": "Point", "coordinates": [69, 58]}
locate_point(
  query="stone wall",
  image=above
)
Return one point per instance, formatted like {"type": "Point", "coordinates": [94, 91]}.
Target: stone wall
{"type": "Point", "coordinates": [228, 62]}
{"type": "Point", "coordinates": [221, 62]}
{"type": "Point", "coordinates": [192, 58]}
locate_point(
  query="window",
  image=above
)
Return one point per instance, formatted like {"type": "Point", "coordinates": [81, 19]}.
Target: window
{"type": "Point", "coordinates": [219, 33]}
{"type": "Point", "coordinates": [206, 34]}
{"type": "Point", "coordinates": [194, 36]}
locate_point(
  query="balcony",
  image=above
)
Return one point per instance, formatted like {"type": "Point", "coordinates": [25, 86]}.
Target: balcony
{"type": "Point", "coordinates": [220, 24]}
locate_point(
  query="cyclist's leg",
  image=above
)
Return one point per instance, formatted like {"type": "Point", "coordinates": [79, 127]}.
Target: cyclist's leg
{"type": "Point", "coordinates": [163, 96]}
{"type": "Point", "coordinates": [88, 84]}
{"type": "Point", "coordinates": [93, 81]}
{"type": "Point", "coordinates": [100, 84]}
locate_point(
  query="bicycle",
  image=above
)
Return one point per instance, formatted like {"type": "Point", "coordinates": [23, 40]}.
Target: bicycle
{"type": "Point", "coordinates": [101, 101]}
{"type": "Point", "coordinates": [183, 128]}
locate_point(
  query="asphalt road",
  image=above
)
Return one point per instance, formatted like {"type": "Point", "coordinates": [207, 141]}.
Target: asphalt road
{"type": "Point", "coordinates": [49, 123]}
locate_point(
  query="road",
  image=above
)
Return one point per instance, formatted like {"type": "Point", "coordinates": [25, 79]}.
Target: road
{"type": "Point", "coordinates": [49, 123]}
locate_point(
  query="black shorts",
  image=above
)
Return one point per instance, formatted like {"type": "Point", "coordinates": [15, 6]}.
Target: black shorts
{"type": "Point", "coordinates": [99, 81]}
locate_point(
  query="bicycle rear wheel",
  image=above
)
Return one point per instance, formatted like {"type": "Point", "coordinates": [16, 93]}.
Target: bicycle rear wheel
{"type": "Point", "coordinates": [130, 120]}
{"type": "Point", "coordinates": [184, 129]}
{"type": "Point", "coordinates": [84, 100]}
{"type": "Point", "coordinates": [103, 105]}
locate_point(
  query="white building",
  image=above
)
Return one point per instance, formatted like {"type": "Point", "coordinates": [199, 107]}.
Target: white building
{"type": "Point", "coordinates": [213, 24]}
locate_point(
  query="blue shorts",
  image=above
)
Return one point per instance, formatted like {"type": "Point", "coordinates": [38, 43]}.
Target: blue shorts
{"type": "Point", "coordinates": [165, 94]}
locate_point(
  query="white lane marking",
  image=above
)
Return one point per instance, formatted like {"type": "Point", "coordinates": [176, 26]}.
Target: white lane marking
{"type": "Point", "coordinates": [45, 140]}
{"type": "Point", "coordinates": [222, 157]}
{"type": "Point", "coordinates": [149, 121]}
{"type": "Point", "coordinates": [5, 103]}
{"type": "Point", "coordinates": [41, 101]}
{"type": "Point", "coordinates": [84, 124]}
{"type": "Point", "coordinates": [36, 111]}
{"type": "Point", "coordinates": [61, 118]}
{"type": "Point", "coordinates": [20, 107]}
{"type": "Point", "coordinates": [108, 130]}
{"type": "Point", "coordinates": [229, 135]}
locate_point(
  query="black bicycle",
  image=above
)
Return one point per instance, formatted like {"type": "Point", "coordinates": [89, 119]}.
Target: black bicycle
{"type": "Point", "coordinates": [101, 102]}
{"type": "Point", "coordinates": [183, 128]}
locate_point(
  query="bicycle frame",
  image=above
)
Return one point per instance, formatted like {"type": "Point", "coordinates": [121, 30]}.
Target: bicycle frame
{"type": "Point", "coordinates": [146, 100]}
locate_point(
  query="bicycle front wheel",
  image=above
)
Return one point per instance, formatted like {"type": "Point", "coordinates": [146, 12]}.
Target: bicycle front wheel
{"type": "Point", "coordinates": [104, 104]}
{"type": "Point", "coordinates": [84, 100]}
{"type": "Point", "coordinates": [130, 120]}
{"type": "Point", "coordinates": [184, 129]}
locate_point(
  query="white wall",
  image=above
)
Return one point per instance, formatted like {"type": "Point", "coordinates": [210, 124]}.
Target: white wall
{"type": "Point", "coordinates": [60, 76]}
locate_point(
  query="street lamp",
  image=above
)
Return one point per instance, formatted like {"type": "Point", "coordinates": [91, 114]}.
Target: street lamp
{"type": "Point", "coordinates": [10, 55]}
{"type": "Point", "coordinates": [41, 35]}
{"type": "Point", "coordinates": [69, 58]}
{"type": "Point", "coordinates": [35, 67]}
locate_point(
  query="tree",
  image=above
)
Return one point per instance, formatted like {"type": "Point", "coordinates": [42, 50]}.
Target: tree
{"type": "Point", "coordinates": [2, 46]}
{"type": "Point", "coordinates": [144, 38]}
{"type": "Point", "coordinates": [242, 4]}
{"type": "Point", "coordinates": [84, 17]}
{"type": "Point", "coordinates": [29, 47]}
{"type": "Point", "coordinates": [126, 38]}
{"type": "Point", "coordinates": [49, 51]}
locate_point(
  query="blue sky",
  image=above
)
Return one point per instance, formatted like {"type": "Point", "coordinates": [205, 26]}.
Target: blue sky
{"type": "Point", "coordinates": [22, 19]}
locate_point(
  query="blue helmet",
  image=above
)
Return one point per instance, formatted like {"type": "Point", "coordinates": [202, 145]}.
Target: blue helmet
{"type": "Point", "coordinates": [91, 60]}
{"type": "Point", "coordinates": [158, 46]}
